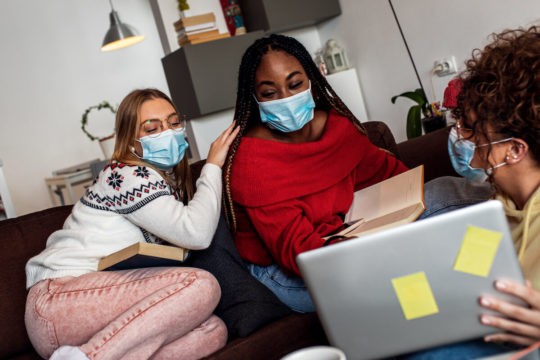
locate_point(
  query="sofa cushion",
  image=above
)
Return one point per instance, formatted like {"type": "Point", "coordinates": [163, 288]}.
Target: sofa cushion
{"type": "Point", "coordinates": [21, 238]}
{"type": "Point", "coordinates": [246, 304]}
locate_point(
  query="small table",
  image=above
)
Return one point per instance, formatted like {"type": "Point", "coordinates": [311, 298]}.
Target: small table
{"type": "Point", "coordinates": [57, 183]}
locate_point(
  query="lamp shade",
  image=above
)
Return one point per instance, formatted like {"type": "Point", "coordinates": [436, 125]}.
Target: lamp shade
{"type": "Point", "coordinates": [119, 34]}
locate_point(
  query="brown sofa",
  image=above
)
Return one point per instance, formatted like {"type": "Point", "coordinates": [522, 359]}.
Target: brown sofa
{"type": "Point", "coordinates": [25, 236]}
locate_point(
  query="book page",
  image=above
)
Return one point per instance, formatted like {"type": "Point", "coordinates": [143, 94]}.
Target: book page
{"type": "Point", "coordinates": [390, 195]}
{"type": "Point", "coordinates": [401, 216]}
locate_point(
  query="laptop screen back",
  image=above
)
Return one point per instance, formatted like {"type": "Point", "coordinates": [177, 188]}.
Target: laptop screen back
{"type": "Point", "coordinates": [414, 286]}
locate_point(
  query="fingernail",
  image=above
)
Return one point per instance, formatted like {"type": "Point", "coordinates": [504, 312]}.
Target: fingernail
{"type": "Point", "coordinates": [485, 302]}
{"type": "Point", "coordinates": [487, 339]}
{"type": "Point", "coordinates": [485, 320]}
{"type": "Point", "coordinates": [500, 285]}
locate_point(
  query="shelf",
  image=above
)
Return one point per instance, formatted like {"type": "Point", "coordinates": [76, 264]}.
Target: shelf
{"type": "Point", "coordinates": [202, 78]}
{"type": "Point", "coordinates": [284, 15]}
{"type": "Point", "coordinates": [345, 84]}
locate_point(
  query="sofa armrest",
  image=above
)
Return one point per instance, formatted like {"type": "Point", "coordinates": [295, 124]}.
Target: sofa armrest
{"type": "Point", "coordinates": [21, 238]}
{"type": "Point", "coordinates": [431, 150]}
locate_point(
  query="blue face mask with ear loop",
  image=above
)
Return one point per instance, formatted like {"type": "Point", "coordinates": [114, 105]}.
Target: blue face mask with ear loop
{"type": "Point", "coordinates": [165, 150]}
{"type": "Point", "coordinates": [288, 114]}
{"type": "Point", "coordinates": [461, 154]}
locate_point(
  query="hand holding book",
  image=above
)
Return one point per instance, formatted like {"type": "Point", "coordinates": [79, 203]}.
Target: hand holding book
{"type": "Point", "coordinates": [394, 201]}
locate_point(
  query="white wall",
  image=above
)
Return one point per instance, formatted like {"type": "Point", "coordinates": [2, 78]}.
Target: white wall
{"type": "Point", "coordinates": [374, 47]}
{"type": "Point", "coordinates": [51, 70]}
{"type": "Point", "coordinates": [450, 36]}
{"type": "Point", "coordinates": [433, 29]}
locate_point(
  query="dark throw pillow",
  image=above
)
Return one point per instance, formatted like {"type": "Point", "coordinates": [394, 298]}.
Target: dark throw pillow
{"type": "Point", "coordinates": [245, 305]}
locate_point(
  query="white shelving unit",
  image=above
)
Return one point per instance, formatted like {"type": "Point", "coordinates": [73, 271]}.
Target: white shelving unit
{"type": "Point", "coordinates": [345, 84]}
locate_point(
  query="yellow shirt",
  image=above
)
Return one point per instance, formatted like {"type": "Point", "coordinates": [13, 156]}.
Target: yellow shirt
{"type": "Point", "coordinates": [527, 247]}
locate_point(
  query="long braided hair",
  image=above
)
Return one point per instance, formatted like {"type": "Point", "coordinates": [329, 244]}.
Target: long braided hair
{"type": "Point", "coordinates": [246, 111]}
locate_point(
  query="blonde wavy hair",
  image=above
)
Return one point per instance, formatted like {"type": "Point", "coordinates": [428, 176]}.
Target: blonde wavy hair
{"type": "Point", "coordinates": [126, 127]}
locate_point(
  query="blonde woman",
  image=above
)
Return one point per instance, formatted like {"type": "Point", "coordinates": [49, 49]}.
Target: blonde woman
{"type": "Point", "coordinates": [74, 311]}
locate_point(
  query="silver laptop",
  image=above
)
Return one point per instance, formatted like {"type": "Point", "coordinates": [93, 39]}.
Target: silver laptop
{"type": "Point", "coordinates": [414, 286]}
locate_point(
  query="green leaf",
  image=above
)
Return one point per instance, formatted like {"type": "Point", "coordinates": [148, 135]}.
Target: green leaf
{"type": "Point", "coordinates": [414, 123]}
{"type": "Point", "coordinates": [417, 96]}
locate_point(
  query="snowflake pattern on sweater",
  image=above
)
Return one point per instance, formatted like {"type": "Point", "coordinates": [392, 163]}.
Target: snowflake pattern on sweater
{"type": "Point", "coordinates": [125, 188]}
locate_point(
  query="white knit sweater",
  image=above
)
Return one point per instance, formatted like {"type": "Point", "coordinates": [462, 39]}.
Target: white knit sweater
{"type": "Point", "coordinates": [128, 204]}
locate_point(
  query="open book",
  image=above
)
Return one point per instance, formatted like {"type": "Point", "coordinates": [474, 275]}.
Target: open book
{"type": "Point", "coordinates": [394, 201]}
{"type": "Point", "coordinates": [141, 255]}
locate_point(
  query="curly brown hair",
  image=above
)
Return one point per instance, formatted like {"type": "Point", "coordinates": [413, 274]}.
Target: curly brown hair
{"type": "Point", "coordinates": [501, 88]}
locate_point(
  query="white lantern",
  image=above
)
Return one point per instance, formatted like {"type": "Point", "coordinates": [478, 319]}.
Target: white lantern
{"type": "Point", "coordinates": [335, 58]}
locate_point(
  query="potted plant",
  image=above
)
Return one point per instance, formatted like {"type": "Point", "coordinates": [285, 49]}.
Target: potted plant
{"type": "Point", "coordinates": [105, 142]}
{"type": "Point", "coordinates": [182, 5]}
{"type": "Point", "coordinates": [433, 117]}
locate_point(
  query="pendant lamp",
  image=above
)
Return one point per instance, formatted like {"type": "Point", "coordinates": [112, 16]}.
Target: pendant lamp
{"type": "Point", "coordinates": [119, 34]}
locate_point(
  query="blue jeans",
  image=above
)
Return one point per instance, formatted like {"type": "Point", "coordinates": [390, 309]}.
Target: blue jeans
{"type": "Point", "coordinates": [291, 290]}
{"type": "Point", "coordinates": [448, 193]}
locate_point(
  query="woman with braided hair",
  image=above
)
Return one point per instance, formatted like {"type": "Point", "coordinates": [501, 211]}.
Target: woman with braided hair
{"type": "Point", "coordinates": [293, 167]}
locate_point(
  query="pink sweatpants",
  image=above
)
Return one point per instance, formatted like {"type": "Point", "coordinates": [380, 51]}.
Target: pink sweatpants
{"type": "Point", "coordinates": [158, 313]}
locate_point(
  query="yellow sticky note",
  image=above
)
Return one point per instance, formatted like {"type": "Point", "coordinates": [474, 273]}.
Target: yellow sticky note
{"type": "Point", "coordinates": [415, 296]}
{"type": "Point", "coordinates": [477, 251]}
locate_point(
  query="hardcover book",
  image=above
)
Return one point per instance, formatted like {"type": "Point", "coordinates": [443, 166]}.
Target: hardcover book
{"type": "Point", "coordinates": [141, 255]}
{"type": "Point", "coordinates": [394, 201]}
{"type": "Point", "coordinates": [205, 39]}
{"type": "Point", "coordinates": [193, 21]}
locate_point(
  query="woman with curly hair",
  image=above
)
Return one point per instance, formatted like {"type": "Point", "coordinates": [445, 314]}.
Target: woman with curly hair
{"type": "Point", "coordinates": [293, 168]}
{"type": "Point", "coordinates": [497, 137]}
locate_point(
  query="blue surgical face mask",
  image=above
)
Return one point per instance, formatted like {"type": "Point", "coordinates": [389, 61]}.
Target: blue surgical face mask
{"type": "Point", "coordinates": [290, 113]}
{"type": "Point", "coordinates": [165, 150]}
{"type": "Point", "coordinates": [461, 154]}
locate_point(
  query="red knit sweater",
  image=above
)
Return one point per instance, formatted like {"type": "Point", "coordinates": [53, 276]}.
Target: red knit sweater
{"type": "Point", "coordinates": [288, 196]}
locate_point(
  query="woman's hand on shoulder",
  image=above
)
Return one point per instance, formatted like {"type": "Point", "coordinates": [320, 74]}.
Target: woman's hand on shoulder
{"type": "Point", "coordinates": [219, 148]}
{"type": "Point", "coordinates": [521, 323]}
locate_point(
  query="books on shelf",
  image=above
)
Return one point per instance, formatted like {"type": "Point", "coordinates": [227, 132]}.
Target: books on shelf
{"type": "Point", "coordinates": [201, 39]}
{"type": "Point", "coordinates": [392, 202]}
{"type": "Point", "coordinates": [197, 29]}
{"type": "Point", "coordinates": [193, 22]}
{"type": "Point", "coordinates": [141, 255]}
{"type": "Point", "coordinates": [185, 37]}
